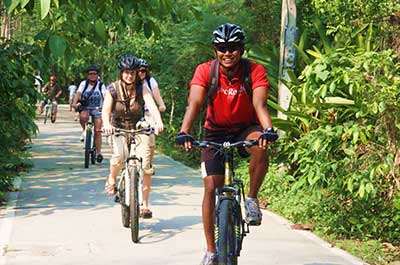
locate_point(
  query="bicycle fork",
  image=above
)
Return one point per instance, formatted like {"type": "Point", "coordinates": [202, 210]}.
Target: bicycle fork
{"type": "Point", "coordinates": [130, 179]}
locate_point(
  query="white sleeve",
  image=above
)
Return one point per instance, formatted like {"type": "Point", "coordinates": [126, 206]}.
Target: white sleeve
{"type": "Point", "coordinates": [103, 90]}
{"type": "Point", "coordinates": [81, 86]}
{"type": "Point", "coordinates": [146, 86]}
{"type": "Point", "coordinates": [153, 83]}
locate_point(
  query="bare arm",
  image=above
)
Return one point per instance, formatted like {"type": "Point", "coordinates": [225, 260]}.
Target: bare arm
{"type": "Point", "coordinates": [106, 113]}
{"type": "Point", "coordinates": [158, 99]}
{"type": "Point", "coordinates": [260, 97]}
{"type": "Point", "coordinates": [76, 98]}
{"type": "Point", "coordinates": [151, 105]}
{"type": "Point", "coordinates": [195, 102]}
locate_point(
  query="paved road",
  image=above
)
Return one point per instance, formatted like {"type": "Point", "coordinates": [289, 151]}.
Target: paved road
{"type": "Point", "coordinates": [61, 216]}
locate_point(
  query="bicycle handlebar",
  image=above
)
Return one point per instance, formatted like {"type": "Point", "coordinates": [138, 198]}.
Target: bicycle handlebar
{"type": "Point", "coordinates": [225, 145]}
{"type": "Point", "coordinates": [147, 131]}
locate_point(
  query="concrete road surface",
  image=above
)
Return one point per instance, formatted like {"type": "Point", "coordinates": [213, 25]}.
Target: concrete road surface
{"type": "Point", "coordinates": [61, 216]}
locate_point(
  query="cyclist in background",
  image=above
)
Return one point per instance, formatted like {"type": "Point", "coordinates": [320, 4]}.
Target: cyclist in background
{"type": "Point", "coordinates": [89, 101]}
{"type": "Point", "coordinates": [52, 90]}
{"type": "Point", "coordinates": [151, 84]}
{"type": "Point", "coordinates": [232, 115]}
{"type": "Point", "coordinates": [72, 92]}
{"type": "Point", "coordinates": [123, 108]}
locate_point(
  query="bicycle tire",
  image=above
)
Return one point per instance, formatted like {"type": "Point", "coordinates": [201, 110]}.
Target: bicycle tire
{"type": "Point", "coordinates": [134, 204]}
{"type": "Point", "coordinates": [93, 156]}
{"type": "Point", "coordinates": [225, 233]}
{"type": "Point", "coordinates": [46, 114]}
{"type": "Point", "coordinates": [88, 139]}
{"type": "Point", "coordinates": [124, 209]}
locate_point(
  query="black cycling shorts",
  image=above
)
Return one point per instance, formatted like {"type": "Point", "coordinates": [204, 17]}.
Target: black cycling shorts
{"type": "Point", "coordinates": [211, 161]}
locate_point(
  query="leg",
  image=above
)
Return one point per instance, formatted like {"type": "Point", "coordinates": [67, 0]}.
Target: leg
{"type": "Point", "coordinates": [55, 108]}
{"type": "Point", "coordinates": [83, 118]}
{"type": "Point", "coordinates": [208, 208]}
{"type": "Point", "coordinates": [41, 107]}
{"type": "Point", "coordinates": [258, 167]}
{"type": "Point", "coordinates": [145, 150]}
{"type": "Point", "coordinates": [120, 153]}
{"type": "Point", "coordinates": [97, 134]}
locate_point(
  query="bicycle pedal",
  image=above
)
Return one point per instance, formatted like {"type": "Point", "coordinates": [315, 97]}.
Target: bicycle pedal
{"type": "Point", "coordinates": [117, 199]}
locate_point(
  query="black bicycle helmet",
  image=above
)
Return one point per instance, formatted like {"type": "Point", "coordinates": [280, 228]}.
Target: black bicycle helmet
{"type": "Point", "coordinates": [143, 63]}
{"type": "Point", "coordinates": [128, 62]}
{"type": "Point", "coordinates": [228, 33]}
{"type": "Point", "coordinates": [93, 67]}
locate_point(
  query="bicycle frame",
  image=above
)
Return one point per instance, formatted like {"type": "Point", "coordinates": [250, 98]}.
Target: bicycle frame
{"type": "Point", "coordinates": [133, 161]}
{"type": "Point", "coordinates": [90, 150]}
{"type": "Point", "coordinates": [233, 192]}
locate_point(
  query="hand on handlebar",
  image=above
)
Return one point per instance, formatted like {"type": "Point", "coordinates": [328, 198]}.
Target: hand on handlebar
{"type": "Point", "coordinates": [269, 136]}
{"type": "Point", "coordinates": [158, 128]}
{"type": "Point", "coordinates": [184, 139]}
{"type": "Point", "coordinates": [108, 129]}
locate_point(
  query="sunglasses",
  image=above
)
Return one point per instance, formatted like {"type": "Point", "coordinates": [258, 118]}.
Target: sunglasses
{"type": "Point", "coordinates": [92, 73]}
{"type": "Point", "coordinates": [230, 48]}
{"type": "Point", "coordinates": [142, 71]}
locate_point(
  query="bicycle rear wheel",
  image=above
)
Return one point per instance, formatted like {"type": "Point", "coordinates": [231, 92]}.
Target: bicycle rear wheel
{"type": "Point", "coordinates": [134, 204]}
{"type": "Point", "coordinates": [225, 233]}
{"type": "Point", "coordinates": [124, 209]}
{"type": "Point", "coordinates": [88, 140]}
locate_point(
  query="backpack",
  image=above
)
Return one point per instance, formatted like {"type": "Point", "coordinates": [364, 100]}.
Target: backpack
{"type": "Point", "coordinates": [94, 87]}
{"type": "Point", "coordinates": [214, 78]}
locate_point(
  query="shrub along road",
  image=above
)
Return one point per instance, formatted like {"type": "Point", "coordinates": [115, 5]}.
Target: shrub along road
{"type": "Point", "coordinates": [60, 215]}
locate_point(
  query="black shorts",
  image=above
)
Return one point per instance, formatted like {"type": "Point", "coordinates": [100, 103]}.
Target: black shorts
{"type": "Point", "coordinates": [211, 161]}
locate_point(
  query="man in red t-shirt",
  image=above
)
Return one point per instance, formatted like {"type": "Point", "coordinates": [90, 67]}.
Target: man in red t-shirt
{"type": "Point", "coordinates": [231, 116]}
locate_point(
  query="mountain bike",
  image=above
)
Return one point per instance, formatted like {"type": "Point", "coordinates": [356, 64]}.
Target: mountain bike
{"type": "Point", "coordinates": [230, 227]}
{"type": "Point", "coordinates": [89, 142]}
{"type": "Point", "coordinates": [49, 108]}
{"type": "Point", "coordinates": [129, 188]}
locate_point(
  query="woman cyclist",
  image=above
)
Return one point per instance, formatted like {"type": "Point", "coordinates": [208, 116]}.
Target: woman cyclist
{"type": "Point", "coordinates": [124, 108]}
{"type": "Point", "coordinates": [88, 101]}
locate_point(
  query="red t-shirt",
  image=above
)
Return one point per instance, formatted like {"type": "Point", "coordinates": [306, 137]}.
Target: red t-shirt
{"type": "Point", "coordinates": [231, 108]}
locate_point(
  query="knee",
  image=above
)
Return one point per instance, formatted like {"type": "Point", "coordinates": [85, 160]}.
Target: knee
{"type": "Point", "coordinates": [259, 154]}
{"type": "Point", "coordinates": [117, 161]}
{"type": "Point", "coordinates": [209, 186]}
{"type": "Point", "coordinates": [97, 131]}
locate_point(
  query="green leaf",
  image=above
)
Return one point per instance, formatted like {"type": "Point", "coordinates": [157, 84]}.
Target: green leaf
{"type": "Point", "coordinates": [12, 5]}
{"type": "Point", "coordinates": [315, 54]}
{"type": "Point", "coordinates": [44, 8]}
{"type": "Point", "coordinates": [339, 101]}
{"type": "Point", "coordinates": [100, 29]}
{"type": "Point", "coordinates": [56, 3]}
{"type": "Point", "coordinates": [24, 3]}
{"type": "Point", "coordinates": [363, 137]}
{"type": "Point", "coordinates": [57, 45]}
{"type": "Point", "coordinates": [361, 190]}
{"type": "Point", "coordinates": [148, 26]}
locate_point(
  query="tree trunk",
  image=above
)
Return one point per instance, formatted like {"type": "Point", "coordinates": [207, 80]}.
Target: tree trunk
{"type": "Point", "coordinates": [287, 52]}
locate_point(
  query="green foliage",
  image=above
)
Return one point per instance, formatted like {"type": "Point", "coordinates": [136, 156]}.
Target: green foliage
{"type": "Point", "coordinates": [17, 106]}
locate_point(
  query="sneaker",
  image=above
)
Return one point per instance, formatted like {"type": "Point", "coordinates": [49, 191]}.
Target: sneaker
{"type": "Point", "coordinates": [82, 137]}
{"type": "Point", "coordinates": [253, 212]}
{"type": "Point", "coordinates": [209, 259]}
{"type": "Point", "coordinates": [99, 158]}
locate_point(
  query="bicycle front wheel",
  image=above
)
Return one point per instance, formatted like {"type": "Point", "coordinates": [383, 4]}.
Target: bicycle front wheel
{"type": "Point", "coordinates": [124, 209]}
{"type": "Point", "coordinates": [46, 115]}
{"type": "Point", "coordinates": [225, 233]}
{"type": "Point", "coordinates": [88, 140]}
{"type": "Point", "coordinates": [134, 204]}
